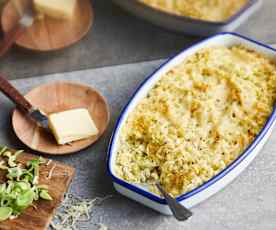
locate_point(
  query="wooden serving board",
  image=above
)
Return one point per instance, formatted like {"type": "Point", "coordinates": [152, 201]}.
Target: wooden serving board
{"type": "Point", "coordinates": [49, 34]}
{"type": "Point", "coordinates": [40, 218]}
{"type": "Point", "coordinates": [57, 97]}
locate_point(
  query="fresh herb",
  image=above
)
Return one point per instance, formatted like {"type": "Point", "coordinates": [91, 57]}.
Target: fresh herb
{"type": "Point", "coordinates": [5, 213]}
{"type": "Point", "coordinates": [21, 188]}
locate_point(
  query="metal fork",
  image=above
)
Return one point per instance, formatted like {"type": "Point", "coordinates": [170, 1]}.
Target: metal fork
{"type": "Point", "coordinates": [25, 21]}
{"type": "Point", "coordinates": [180, 212]}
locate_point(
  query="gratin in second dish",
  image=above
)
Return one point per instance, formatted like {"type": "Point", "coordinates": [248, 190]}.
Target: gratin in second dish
{"type": "Point", "coordinates": [197, 119]}
{"type": "Point", "coordinates": [209, 10]}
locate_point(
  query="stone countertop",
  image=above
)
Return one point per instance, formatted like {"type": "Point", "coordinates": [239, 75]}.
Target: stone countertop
{"type": "Point", "coordinates": [119, 38]}
{"type": "Point", "coordinates": [248, 203]}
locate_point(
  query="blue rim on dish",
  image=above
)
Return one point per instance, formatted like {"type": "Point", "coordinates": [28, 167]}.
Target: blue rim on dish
{"type": "Point", "coordinates": [199, 21]}
{"type": "Point", "coordinates": [217, 177]}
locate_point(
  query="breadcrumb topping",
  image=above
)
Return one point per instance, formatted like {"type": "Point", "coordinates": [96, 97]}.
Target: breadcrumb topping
{"type": "Point", "coordinates": [209, 10]}
{"type": "Point", "coordinates": [198, 118]}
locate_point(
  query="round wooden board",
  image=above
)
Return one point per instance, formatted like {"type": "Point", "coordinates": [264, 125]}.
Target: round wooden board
{"type": "Point", "coordinates": [49, 34]}
{"type": "Point", "coordinates": [57, 97]}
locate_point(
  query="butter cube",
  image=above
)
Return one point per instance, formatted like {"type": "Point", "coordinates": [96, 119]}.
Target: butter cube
{"type": "Point", "coordinates": [59, 9]}
{"type": "Point", "coordinates": [72, 125]}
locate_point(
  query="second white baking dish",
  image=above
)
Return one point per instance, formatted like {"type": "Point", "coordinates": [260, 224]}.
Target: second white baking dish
{"type": "Point", "coordinates": [189, 25]}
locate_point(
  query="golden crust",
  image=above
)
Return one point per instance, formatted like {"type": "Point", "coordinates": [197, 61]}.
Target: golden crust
{"type": "Point", "coordinates": [197, 119]}
{"type": "Point", "coordinates": [211, 10]}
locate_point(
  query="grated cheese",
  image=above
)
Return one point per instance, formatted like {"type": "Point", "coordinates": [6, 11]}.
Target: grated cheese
{"type": "Point", "coordinates": [197, 119]}
{"type": "Point", "coordinates": [74, 210]}
{"type": "Point", "coordinates": [51, 172]}
{"type": "Point", "coordinates": [102, 226]}
{"type": "Point", "coordinates": [49, 162]}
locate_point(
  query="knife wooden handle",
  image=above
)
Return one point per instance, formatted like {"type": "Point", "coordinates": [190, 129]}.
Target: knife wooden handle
{"type": "Point", "coordinates": [14, 95]}
{"type": "Point", "coordinates": [10, 37]}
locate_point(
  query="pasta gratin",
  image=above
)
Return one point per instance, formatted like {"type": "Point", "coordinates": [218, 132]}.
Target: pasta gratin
{"type": "Point", "coordinates": [198, 118]}
{"type": "Point", "coordinates": [209, 10]}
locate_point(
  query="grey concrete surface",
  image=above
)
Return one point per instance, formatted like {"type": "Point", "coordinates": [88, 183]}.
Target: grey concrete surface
{"type": "Point", "coordinates": [249, 203]}
{"type": "Point", "coordinates": [119, 38]}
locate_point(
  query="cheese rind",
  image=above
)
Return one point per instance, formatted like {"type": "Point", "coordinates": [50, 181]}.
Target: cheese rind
{"type": "Point", "coordinates": [72, 125]}
{"type": "Point", "coordinates": [59, 9]}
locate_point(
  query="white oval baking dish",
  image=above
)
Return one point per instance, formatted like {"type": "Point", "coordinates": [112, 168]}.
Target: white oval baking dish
{"type": "Point", "coordinates": [215, 184]}
{"type": "Point", "coordinates": [188, 25]}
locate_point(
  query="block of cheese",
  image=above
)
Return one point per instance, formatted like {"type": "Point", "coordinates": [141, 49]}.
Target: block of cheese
{"type": "Point", "coordinates": [59, 9]}
{"type": "Point", "coordinates": [72, 125]}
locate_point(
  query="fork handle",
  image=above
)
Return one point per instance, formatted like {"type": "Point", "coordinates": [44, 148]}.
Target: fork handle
{"type": "Point", "coordinates": [179, 211]}
{"type": "Point", "coordinates": [10, 37]}
{"type": "Point", "coordinates": [13, 94]}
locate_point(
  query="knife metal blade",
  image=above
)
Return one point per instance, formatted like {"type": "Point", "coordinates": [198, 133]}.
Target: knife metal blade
{"type": "Point", "coordinates": [22, 103]}
{"type": "Point", "coordinates": [40, 118]}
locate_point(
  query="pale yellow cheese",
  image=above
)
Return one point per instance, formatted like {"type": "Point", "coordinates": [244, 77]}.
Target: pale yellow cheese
{"type": "Point", "coordinates": [197, 119]}
{"type": "Point", "coordinates": [72, 125]}
{"type": "Point", "coordinates": [59, 9]}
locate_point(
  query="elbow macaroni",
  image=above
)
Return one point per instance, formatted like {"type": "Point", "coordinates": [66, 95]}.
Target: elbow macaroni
{"type": "Point", "coordinates": [198, 118]}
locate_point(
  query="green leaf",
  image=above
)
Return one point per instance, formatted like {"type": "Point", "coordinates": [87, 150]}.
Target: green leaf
{"type": "Point", "coordinates": [11, 161]}
{"type": "Point", "coordinates": [45, 195]}
{"type": "Point", "coordinates": [5, 201]}
{"type": "Point", "coordinates": [3, 149]}
{"type": "Point", "coordinates": [22, 185]}
{"type": "Point", "coordinates": [42, 186]}
{"type": "Point", "coordinates": [17, 210]}
{"type": "Point", "coordinates": [5, 213]}
{"type": "Point", "coordinates": [2, 188]}
{"type": "Point", "coordinates": [10, 186]}
{"type": "Point", "coordinates": [32, 163]}
{"type": "Point", "coordinates": [21, 188]}
{"type": "Point", "coordinates": [36, 192]}
{"type": "Point", "coordinates": [17, 153]}
{"type": "Point", "coordinates": [3, 166]}
{"type": "Point", "coordinates": [25, 199]}
{"type": "Point", "coordinates": [15, 172]}
{"type": "Point", "coordinates": [7, 154]}
{"type": "Point", "coordinates": [28, 177]}
{"type": "Point", "coordinates": [42, 160]}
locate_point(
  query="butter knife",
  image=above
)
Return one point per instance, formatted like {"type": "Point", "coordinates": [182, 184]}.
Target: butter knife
{"type": "Point", "coordinates": [25, 21]}
{"type": "Point", "coordinates": [23, 104]}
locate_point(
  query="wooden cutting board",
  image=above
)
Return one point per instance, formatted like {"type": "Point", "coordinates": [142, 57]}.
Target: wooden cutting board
{"type": "Point", "coordinates": [40, 218]}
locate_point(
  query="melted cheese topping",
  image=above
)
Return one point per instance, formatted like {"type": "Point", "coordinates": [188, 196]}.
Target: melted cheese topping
{"type": "Point", "coordinates": [209, 10]}
{"type": "Point", "coordinates": [197, 119]}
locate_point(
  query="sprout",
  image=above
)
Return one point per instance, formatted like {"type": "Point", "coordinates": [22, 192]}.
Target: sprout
{"type": "Point", "coordinates": [25, 199]}
{"type": "Point", "coordinates": [22, 185]}
{"type": "Point", "coordinates": [21, 188]}
{"type": "Point", "coordinates": [45, 195]}
{"type": "Point", "coordinates": [5, 213]}
{"type": "Point", "coordinates": [3, 149]}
